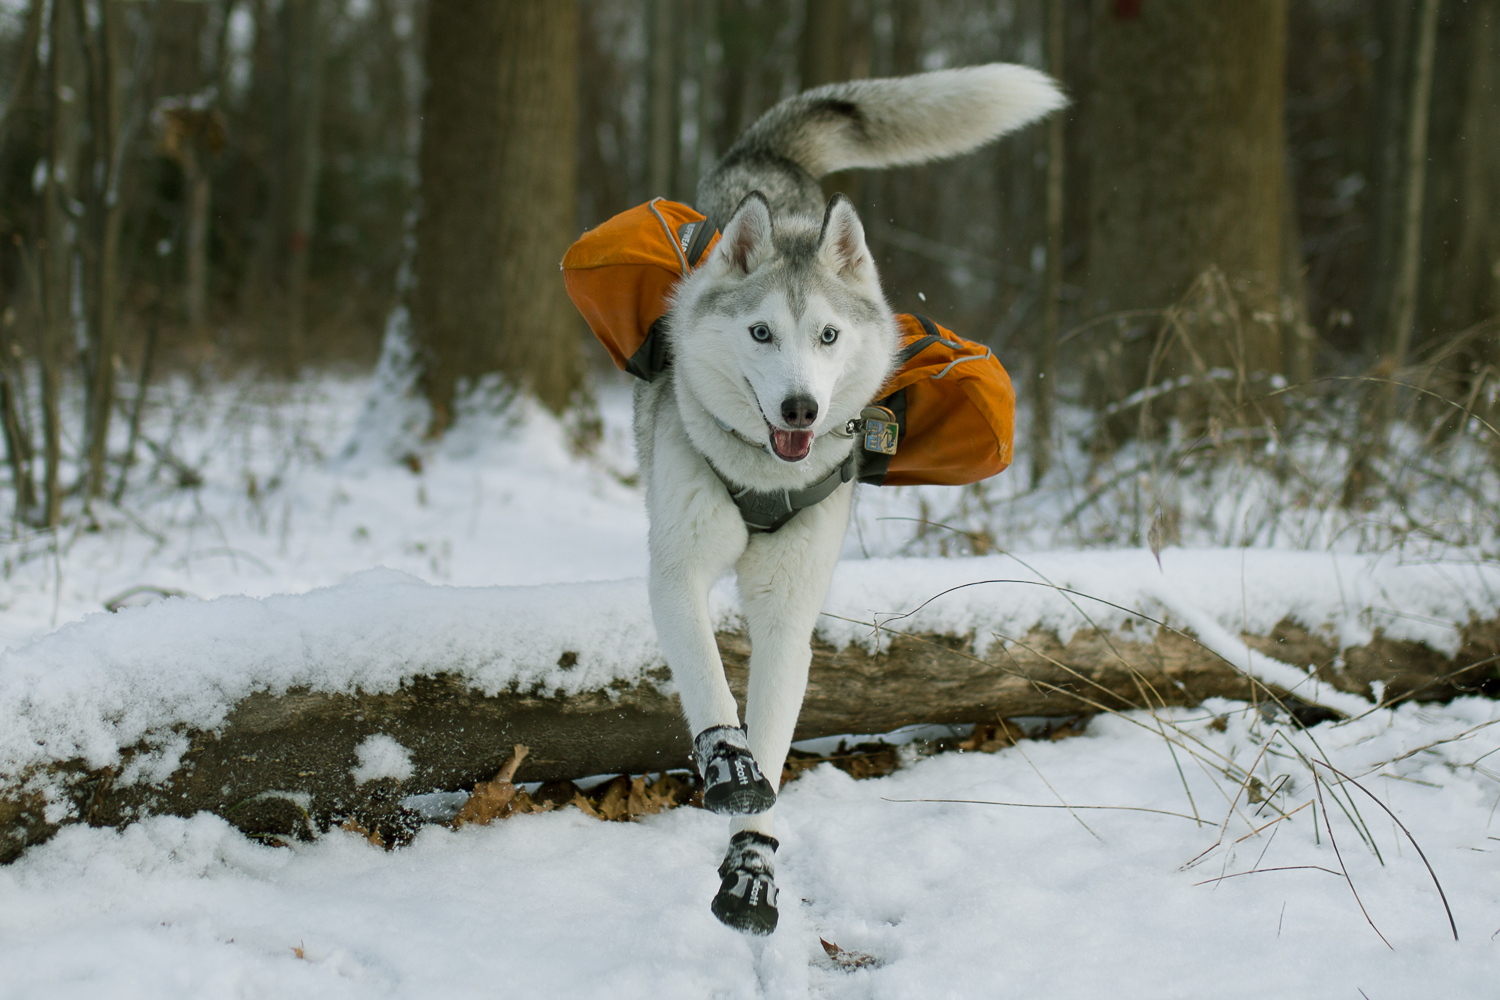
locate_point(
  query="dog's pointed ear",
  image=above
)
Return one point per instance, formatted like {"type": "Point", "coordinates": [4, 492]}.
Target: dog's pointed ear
{"type": "Point", "coordinates": [746, 241]}
{"type": "Point", "coordinates": [842, 243]}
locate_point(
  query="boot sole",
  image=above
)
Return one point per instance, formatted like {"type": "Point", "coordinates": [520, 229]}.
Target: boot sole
{"type": "Point", "coordinates": [732, 913]}
{"type": "Point", "coordinates": [739, 801]}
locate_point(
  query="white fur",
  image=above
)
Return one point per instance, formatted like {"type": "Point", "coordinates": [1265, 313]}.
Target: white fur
{"type": "Point", "coordinates": [925, 117]}
{"type": "Point", "coordinates": [721, 399]}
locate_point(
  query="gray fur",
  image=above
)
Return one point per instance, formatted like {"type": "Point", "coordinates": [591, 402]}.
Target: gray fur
{"type": "Point", "coordinates": [747, 331]}
{"type": "Point", "coordinates": [872, 123]}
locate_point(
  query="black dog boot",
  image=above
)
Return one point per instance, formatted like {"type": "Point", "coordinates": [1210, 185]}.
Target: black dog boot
{"type": "Point", "coordinates": [732, 782]}
{"type": "Point", "coordinates": [747, 896]}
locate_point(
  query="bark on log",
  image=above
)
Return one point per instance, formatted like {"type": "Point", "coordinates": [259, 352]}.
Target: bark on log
{"type": "Point", "coordinates": [281, 764]}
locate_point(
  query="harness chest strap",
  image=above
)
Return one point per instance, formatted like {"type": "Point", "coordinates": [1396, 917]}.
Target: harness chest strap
{"type": "Point", "coordinates": [764, 511]}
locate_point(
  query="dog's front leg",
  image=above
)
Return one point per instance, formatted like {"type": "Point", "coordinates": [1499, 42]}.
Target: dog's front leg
{"type": "Point", "coordinates": [696, 535]}
{"type": "Point", "coordinates": [783, 582]}
{"type": "Point", "coordinates": [784, 578]}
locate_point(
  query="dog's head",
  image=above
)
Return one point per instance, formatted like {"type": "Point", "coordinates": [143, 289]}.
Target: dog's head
{"type": "Point", "coordinates": [784, 334]}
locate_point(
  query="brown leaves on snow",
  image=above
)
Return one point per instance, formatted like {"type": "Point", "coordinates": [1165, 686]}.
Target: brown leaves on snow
{"type": "Point", "coordinates": [626, 798]}
{"type": "Point", "coordinates": [863, 760]}
{"type": "Point", "coordinates": [988, 737]}
{"type": "Point", "coordinates": [617, 800]}
{"type": "Point", "coordinates": [848, 960]}
{"type": "Point", "coordinates": [492, 799]}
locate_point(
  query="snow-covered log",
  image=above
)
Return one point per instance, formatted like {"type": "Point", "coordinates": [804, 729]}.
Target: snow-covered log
{"type": "Point", "coordinates": [295, 710]}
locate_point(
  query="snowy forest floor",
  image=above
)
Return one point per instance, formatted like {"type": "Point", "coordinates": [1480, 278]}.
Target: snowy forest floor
{"type": "Point", "coordinates": [1142, 887]}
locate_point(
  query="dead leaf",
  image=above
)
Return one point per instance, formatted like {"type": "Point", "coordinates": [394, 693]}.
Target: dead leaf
{"type": "Point", "coordinates": [614, 803]}
{"type": "Point", "coordinates": [1069, 728]}
{"type": "Point", "coordinates": [300, 950]}
{"type": "Point", "coordinates": [669, 791]}
{"type": "Point", "coordinates": [491, 799]}
{"type": "Point", "coordinates": [486, 803]}
{"type": "Point", "coordinates": [848, 960]}
{"type": "Point", "coordinates": [864, 760]}
{"type": "Point", "coordinates": [1154, 538]}
{"type": "Point", "coordinates": [554, 795]}
{"type": "Point", "coordinates": [353, 825]}
{"type": "Point", "coordinates": [798, 762]}
{"type": "Point", "coordinates": [624, 798]}
{"type": "Point", "coordinates": [988, 737]}
{"type": "Point", "coordinates": [868, 762]}
{"type": "Point", "coordinates": [639, 802]}
{"type": "Point", "coordinates": [524, 803]}
{"type": "Point", "coordinates": [584, 805]}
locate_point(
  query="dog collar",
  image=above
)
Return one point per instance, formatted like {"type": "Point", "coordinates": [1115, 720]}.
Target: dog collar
{"type": "Point", "coordinates": [766, 510]}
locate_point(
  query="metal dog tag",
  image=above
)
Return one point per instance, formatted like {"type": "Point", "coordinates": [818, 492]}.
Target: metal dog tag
{"type": "Point", "coordinates": [880, 430]}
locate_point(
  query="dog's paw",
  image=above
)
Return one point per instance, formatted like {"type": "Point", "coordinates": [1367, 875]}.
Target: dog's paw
{"type": "Point", "coordinates": [747, 895]}
{"type": "Point", "coordinates": [732, 782]}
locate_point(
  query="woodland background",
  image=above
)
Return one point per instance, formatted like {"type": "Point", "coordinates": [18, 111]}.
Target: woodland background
{"type": "Point", "coordinates": [1256, 220]}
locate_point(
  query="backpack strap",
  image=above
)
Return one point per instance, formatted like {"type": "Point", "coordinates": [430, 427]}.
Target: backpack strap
{"type": "Point", "coordinates": [918, 346]}
{"type": "Point", "coordinates": [694, 238]}
{"type": "Point", "coordinates": [652, 357]}
{"type": "Point", "coordinates": [766, 510]}
{"type": "Point", "coordinates": [691, 239]}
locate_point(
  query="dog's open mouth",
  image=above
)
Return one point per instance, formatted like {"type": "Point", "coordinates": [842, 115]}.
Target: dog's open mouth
{"type": "Point", "coordinates": [790, 446]}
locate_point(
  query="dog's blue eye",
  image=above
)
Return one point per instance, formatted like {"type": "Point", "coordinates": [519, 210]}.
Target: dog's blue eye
{"type": "Point", "coordinates": [830, 335]}
{"type": "Point", "coordinates": [761, 333]}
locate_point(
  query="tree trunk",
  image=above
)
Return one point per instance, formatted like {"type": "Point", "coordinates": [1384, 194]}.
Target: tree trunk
{"type": "Point", "coordinates": [307, 35]}
{"type": "Point", "coordinates": [1457, 300]}
{"type": "Point", "coordinates": [100, 242]}
{"type": "Point", "coordinates": [662, 94]}
{"type": "Point", "coordinates": [825, 43]}
{"type": "Point", "coordinates": [280, 763]}
{"type": "Point", "coordinates": [1044, 391]}
{"type": "Point", "coordinates": [195, 178]}
{"type": "Point", "coordinates": [19, 448]}
{"type": "Point", "coordinates": [1402, 311]}
{"type": "Point", "coordinates": [55, 253]}
{"type": "Point", "coordinates": [1377, 405]}
{"type": "Point", "coordinates": [1187, 167]}
{"type": "Point", "coordinates": [497, 202]}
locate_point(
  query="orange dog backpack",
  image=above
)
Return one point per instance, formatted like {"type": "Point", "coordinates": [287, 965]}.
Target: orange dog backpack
{"type": "Point", "coordinates": [946, 417]}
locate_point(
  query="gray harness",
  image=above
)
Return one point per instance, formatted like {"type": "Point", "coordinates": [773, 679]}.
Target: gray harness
{"type": "Point", "coordinates": [766, 510]}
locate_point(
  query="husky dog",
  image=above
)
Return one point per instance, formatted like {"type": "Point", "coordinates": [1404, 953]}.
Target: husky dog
{"type": "Point", "coordinates": [777, 343]}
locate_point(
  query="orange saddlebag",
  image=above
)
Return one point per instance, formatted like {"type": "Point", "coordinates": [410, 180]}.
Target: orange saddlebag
{"type": "Point", "coordinates": [955, 407]}
{"type": "Point", "coordinates": [950, 400]}
{"type": "Point", "coordinates": [620, 275]}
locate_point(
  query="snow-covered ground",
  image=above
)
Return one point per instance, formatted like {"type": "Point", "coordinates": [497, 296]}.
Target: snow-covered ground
{"type": "Point", "coordinates": [950, 899]}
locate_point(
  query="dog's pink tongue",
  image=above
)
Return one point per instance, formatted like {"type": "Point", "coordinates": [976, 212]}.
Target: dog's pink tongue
{"type": "Point", "coordinates": [792, 446]}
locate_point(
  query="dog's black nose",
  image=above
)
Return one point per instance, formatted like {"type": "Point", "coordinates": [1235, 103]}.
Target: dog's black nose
{"type": "Point", "coordinates": [799, 411]}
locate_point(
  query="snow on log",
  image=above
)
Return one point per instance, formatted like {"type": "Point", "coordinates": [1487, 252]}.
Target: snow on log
{"type": "Point", "coordinates": [286, 713]}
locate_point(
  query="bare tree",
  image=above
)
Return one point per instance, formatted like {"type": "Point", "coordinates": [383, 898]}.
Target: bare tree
{"type": "Point", "coordinates": [307, 36]}
{"type": "Point", "coordinates": [1044, 392]}
{"type": "Point", "coordinates": [662, 51]}
{"type": "Point", "coordinates": [13, 424]}
{"type": "Point", "coordinates": [1402, 311]}
{"type": "Point", "coordinates": [56, 249]}
{"type": "Point", "coordinates": [1187, 167]}
{"type": "Point", "coordinates": [497, 202]}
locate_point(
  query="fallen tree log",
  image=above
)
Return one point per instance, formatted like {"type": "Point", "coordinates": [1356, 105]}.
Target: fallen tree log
{"type": "Point", "coordinates": [284, 763]}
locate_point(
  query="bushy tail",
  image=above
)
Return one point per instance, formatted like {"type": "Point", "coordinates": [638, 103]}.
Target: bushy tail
{"type": "Point", "coordinates": [883, 123]}
{"type": "Point", "coordinates": [913, 119]}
